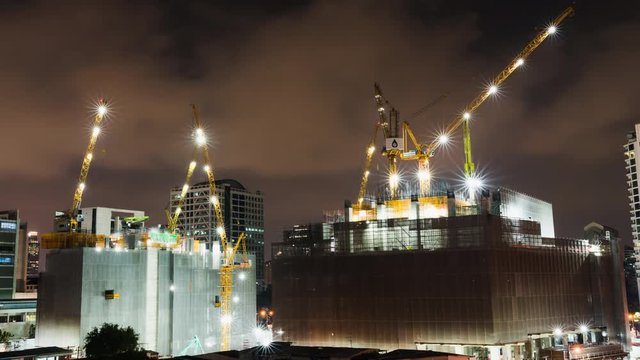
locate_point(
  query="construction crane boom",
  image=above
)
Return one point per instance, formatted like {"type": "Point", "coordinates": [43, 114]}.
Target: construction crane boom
{"type": "Point", "coordinates": [208, 169]}
{"type": "Point", "coordinates": [371, 148]}
{"type": "Point", "coordinates": [229, 252]}
{"type": "Point", "coordinates": [423, 151]}
{"type": "Point", "coordinates": [499, 79]}
{"type": "Point", "coordinates": [72, 213]}
{"type": "Point", "coordinates": [172, 220]}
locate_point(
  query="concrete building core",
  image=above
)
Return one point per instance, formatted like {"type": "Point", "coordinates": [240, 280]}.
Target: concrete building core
{"type": "Point", "coordinates": [440, 274]}
{"type": "Point", "coordinates": [166, 297]}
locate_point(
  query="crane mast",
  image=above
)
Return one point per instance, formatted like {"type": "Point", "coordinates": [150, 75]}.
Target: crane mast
{"type": "Point", "coordinates": [394, 144]}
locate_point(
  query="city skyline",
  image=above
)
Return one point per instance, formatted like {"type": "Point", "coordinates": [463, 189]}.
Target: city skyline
{"type": "Point", "coordinates": [286, 92]}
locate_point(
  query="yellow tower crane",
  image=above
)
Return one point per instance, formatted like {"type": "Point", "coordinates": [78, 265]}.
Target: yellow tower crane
{"type": "Point", "coordinates": [72, 213]}
{"type": "Point", "coordinates": [422, 152]}
{"type": "Point", "coordinates": [66, 224]}
{"type": "Point", "coordinates": [172, 219]}
{"type": "Point", "coordinates": [229, 250]}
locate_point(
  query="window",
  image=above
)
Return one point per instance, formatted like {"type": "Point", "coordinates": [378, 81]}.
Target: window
{"type": "Point", "coordinates": [5, 225]}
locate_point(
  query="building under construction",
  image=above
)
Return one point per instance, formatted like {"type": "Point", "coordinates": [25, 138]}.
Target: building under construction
{"type": "Point", "coordinates": [166, 297]}
{"type": "Point", "coordinates": [103, 265]}
{"type": "Point", "coordinates": [442, 274]}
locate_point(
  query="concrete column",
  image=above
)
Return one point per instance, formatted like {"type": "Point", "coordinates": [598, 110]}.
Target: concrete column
{"type": "Point", "coordinates": [458, 349]}
{"type": "Point", "coordinates": [507, 352]}
{"type": "Point", "coordinates": [149, 336]}
{"type": "Point", "coordinates": [494, 353]}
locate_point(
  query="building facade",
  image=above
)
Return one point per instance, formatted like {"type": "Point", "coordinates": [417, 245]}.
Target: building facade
{"type": "Point", "coordinates": [9, 239]}
{"type": "Point", "coordinates": [18, 316]}
{"type": "Point", "coordinates": [453, 277]}
{"type": "Point", "coordinates": [243, 211]}
{"type": "Point", "coordinates": [166, 297]}
{"type": "Point", "coordinates": [104, 221]}
{"type": "Point", "coordinates": [21, 259]}
{"type": "Point", "coordinates": [33, 254]}
{"type": "Point", "coordinates": [631, 154]}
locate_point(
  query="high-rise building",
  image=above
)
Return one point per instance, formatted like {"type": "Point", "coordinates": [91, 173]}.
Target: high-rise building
{"type": "Point", "coordinates": [243, 211]}
{"type": "Point", "coordinates": [33, 253]}
{"type": "Point", "coordinates": [631, 149]}
{"type": "Point", "coordinates": [20, 267]}
{"type": "Point", "coordinates": [9, 236]}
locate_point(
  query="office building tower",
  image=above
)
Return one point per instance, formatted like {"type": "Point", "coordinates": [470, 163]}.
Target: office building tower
{"type": "Point", "coordinates": [9, 236]}
{"type": "Point", "coordinates": [33, 253]}
{"type": "Point", "coordinates": [243, 211]}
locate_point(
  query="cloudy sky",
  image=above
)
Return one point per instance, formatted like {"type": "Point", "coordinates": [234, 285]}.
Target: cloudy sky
{"type": "Point", "coordinates": [286, 91]}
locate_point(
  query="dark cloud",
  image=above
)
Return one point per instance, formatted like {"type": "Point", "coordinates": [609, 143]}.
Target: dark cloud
{"type": "Point", "coordinates": [286, 92]}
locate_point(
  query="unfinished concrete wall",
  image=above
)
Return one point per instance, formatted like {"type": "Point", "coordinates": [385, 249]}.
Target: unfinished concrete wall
{"type": "Point", "coordinates": [167, 298]}
{"type": "Point", "coordinates": [59, 300]}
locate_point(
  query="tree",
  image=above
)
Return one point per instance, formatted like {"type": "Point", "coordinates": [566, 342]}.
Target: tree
{"type": "Point", "coordinates": [5, 336]}
{"type": "Point", "coordinates": [111, 341]}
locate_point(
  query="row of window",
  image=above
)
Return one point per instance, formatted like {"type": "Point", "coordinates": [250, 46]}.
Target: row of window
{"type": "Point", "coordinates": [12, 318]}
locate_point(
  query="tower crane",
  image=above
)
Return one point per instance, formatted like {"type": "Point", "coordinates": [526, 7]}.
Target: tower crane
{"type": "Point", "coordinates": [422, 152]}
{"type": "Point", "coordinates": [392, 150]}
{"type": "Point", "coordinates": [229, 250]}
{"type": "Point", "coordinates": [72, 213]}
{"type": "Point", "coordinates": [172, 219]}
{"type": "Point", "coordinates": [66, 223]}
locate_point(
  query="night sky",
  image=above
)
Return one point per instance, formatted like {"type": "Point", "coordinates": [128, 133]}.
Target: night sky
{"type": "Point", "coordinates": [286, 91]}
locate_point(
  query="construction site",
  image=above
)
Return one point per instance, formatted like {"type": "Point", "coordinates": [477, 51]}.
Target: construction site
{"type": "Point", "coordinates": [475, 269]}
{"type": "Point", "coordinates": [105, 265]}
{"type": "Point", "coordinates": [417, 263]}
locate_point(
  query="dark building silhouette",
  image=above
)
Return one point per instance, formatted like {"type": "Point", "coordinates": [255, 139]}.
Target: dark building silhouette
{"type": "Point", "coordinates": [451, 283]}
